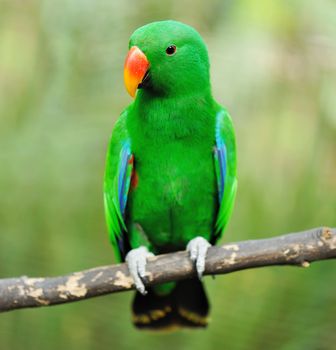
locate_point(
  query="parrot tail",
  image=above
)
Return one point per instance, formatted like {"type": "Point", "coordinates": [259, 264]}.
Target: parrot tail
{"type": "Point", "coordinates": [185, 306]}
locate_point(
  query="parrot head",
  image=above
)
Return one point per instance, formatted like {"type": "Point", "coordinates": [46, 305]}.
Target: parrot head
{"type": "Point", "coordinates": [166, 58]}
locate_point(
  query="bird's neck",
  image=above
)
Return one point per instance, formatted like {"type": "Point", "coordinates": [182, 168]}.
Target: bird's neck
{"type": "Point", "coordinates": [173, 117]}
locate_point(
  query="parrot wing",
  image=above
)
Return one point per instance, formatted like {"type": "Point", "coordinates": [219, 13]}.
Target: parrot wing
{"type": "Point", "coordinates": [225, 167]}
{"type": "Point", "coordinates": [118, 173]}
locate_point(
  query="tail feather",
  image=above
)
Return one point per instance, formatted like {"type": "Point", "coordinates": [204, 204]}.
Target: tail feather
{"type": "Point", "coordinates": [192, 303]}
{"type": "Point", "coordinates": [186, 306]}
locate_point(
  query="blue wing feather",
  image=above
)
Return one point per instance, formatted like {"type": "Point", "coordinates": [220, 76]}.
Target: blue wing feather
{"type": "Point", "coordinates": [225, 168]}
{"type": "Point", "coordinates": [124, 179]}
{"type": "Point", "coordinates": [221, 157]}
{"type": "Point", "coordinates": [118, 174]}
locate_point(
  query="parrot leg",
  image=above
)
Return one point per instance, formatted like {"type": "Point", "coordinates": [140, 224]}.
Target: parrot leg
{"type": "Point", "coordinates": [136, 260]}
{"type": "Point", "coordinates": [197, 249]}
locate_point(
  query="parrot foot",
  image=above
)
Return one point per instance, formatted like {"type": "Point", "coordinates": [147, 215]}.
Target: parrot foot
{"type": "Point", "coordinates": [136, 260]}
{"type": "Point", "coordinates": [197, 249]}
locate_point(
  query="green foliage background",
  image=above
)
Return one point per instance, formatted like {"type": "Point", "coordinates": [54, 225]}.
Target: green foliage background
{"type": "Point", "coordinates": [61, 89]}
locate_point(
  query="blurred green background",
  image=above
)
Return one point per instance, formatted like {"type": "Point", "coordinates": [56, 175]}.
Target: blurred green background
{"type": "Point", "coordinates": [61, 90]}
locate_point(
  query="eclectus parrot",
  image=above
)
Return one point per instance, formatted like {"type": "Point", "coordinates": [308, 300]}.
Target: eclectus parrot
{"type": "Point", "coordinates": [170, 179]}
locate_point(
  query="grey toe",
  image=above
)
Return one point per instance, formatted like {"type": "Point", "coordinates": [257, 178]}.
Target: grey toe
{"type": "Point", "coordinates": [197, 249]}
{"type": "Point", "coordinates": [136, 260]}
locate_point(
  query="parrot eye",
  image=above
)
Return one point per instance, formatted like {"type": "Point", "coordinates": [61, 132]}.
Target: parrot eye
{"type": "Point", "coordinates": [170, 50]}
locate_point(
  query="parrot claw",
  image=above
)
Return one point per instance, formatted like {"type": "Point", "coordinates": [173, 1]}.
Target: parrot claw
{"type": "Point", "coordinates": [197, 249]}
{"type": "Point", "coordinates": [136, 260]}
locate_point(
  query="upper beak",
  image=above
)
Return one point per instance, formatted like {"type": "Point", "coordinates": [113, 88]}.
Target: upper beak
{"type": "Point", "coordinates": [136, 66]}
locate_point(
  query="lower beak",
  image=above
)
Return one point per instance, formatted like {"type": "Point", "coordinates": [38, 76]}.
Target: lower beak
{"type": "Point", "coordinates": [136, 66]}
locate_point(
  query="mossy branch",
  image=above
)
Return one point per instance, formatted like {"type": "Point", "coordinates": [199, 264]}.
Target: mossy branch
{"type": "Point", "coordinates": [298, 249]}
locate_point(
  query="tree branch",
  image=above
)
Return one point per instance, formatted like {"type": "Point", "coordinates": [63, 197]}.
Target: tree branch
{"type": "Point", "coordinates": [292, 249]}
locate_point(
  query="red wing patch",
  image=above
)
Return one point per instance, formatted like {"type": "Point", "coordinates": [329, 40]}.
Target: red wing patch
{"type": "Point", "coordinates": [134, 180]}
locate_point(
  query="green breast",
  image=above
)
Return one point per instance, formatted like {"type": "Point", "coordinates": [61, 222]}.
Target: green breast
{"type": "Point", "coordinates": [175, 198]}
{"type": "Point", "coordinates": [172, 140]}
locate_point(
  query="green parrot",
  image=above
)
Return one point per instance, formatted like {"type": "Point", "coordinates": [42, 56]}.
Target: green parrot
{"type": "Point", "coordinates": [170, 179]}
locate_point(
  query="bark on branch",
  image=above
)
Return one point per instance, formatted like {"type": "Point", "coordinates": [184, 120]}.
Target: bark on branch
{"type": "Point", "coordinates": [298, 249]}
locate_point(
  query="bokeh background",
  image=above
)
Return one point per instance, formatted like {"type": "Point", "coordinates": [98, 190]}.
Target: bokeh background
{"type": "Point", "coordinates": [273, 65]}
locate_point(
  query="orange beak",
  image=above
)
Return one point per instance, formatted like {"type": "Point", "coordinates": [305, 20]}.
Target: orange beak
{"type": "Point", "coordinates": [136, 66]}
